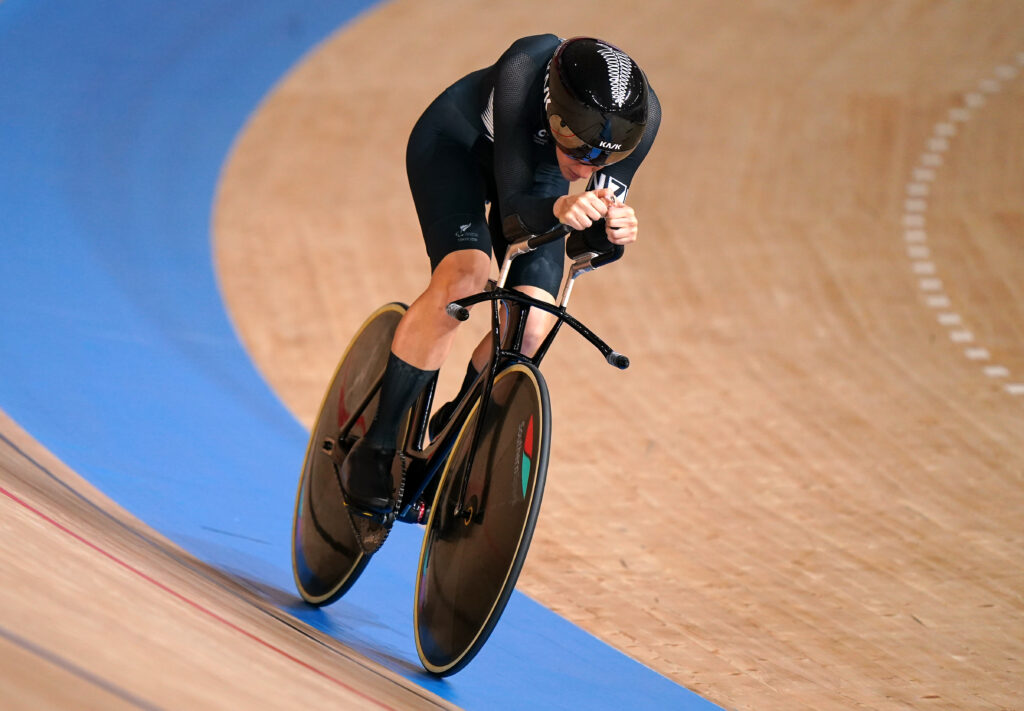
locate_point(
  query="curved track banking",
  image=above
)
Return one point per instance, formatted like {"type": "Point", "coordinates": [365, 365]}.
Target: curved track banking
{"type": "Point", "coordinates": [802, 494]}
{"type": "Point", "coordinates": [805, 492]}
{"type": "Point", "coordinates": [118, 355]}
{"type": "Point", "coordinates": [100, 612]}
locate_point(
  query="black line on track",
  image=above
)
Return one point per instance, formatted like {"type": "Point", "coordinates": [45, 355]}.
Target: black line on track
{"type": "Point", "coordinates": [205, 574]}
{"type": "Point", "coordinates": [69, 666]}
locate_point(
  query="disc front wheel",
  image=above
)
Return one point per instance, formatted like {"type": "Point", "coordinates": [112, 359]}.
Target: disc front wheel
{"type": "Point", "coordinates": [482, 521]}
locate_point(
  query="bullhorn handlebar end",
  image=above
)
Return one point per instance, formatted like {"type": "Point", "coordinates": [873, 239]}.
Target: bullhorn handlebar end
{"type": "Point", "coordinates": [618, 360]}
{"type": "Point", "coordinates": [459, 313]}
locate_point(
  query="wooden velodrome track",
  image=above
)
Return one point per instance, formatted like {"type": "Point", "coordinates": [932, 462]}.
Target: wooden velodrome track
{"type": "Point", "coordinates": [805, 493]}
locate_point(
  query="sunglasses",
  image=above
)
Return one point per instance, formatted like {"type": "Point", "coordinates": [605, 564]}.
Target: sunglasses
{"type": "Point", "coordinates": [577, 149]}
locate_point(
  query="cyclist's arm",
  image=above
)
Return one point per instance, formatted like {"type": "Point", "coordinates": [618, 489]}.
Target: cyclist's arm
{"type": "Point", "coordinates": [517, 101]}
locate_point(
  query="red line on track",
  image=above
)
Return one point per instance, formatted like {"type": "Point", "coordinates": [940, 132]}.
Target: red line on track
{"type": "Point", "coordinates": [188, 601]}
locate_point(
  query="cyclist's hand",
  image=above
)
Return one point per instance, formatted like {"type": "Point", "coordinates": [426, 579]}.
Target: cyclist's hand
{"type": "Point", "coordinates": [620, 224]}
{"type": "Point", "coordinates": [582, 210]}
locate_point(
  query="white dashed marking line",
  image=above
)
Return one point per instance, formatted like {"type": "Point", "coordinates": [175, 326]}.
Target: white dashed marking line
{"type": "Point", "coordinates": [1006, 72]}
{"type": "Point", "coordinates": [916, 207]}
{"type": "Point", "coordinates": [959, 114]}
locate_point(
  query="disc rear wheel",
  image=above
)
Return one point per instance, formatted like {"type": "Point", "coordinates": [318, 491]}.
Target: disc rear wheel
{"type": "Point", "coordinates": [326, 557]}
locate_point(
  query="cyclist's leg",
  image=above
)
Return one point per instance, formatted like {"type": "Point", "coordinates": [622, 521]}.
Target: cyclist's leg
{"type": "Point", "coordinates": [421, 344]}
{"type": "Point", "coordinates": [537, 274]}
{"type": "Point", "coordinates": [449, 191]}
{"type": "Point", "coordinates": [425, 334]}
{"type": "Point", "coordinates": [538, 324]}
{"type": "Point", "coordinates": [449, 196]}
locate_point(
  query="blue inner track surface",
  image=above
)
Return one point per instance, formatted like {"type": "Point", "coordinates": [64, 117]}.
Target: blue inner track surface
{"type": "Point", "coordinates": [115, 351]}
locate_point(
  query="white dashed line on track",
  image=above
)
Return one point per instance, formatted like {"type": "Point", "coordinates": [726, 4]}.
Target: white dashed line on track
{"type": "Point", "coordinates": [1006, 72]}
{"type": "Point", "coordinates": [915, 206]}
{"type": "Point", "coordinates": [959, 114]}
{"type": "Point", "coordinates": [974, 100]}
{"type": "Point", "coordinates": [989, 86]}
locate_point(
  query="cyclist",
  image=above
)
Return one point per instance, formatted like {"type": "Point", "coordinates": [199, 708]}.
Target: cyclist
{"type": "Point", "coordinates": [512, 135]}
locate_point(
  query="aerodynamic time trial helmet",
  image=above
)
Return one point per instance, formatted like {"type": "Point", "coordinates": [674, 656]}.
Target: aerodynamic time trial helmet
{"type": "Point", "coordinates": [596, 101]}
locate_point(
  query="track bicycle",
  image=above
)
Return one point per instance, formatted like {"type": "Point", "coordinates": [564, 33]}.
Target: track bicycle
{"type": "Point", "coordinates": [477, 485]}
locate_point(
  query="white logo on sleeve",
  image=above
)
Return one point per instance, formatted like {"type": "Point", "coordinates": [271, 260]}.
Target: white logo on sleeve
{"type": "Point", "coordinates": [487, 116]}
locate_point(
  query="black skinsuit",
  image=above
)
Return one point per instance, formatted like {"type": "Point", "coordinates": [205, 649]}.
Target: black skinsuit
{"type": "Point", "coordinates": [485, 139]}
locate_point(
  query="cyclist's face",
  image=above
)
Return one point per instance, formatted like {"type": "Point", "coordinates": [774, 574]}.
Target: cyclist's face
{"type": "Point", "coordinates": [572, 169]}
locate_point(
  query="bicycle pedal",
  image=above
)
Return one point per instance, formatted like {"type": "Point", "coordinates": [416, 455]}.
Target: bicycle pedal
{"type": "Point", "coordinates": [371, 528]}
{"type": "Point", "coordinates": [375, 516]}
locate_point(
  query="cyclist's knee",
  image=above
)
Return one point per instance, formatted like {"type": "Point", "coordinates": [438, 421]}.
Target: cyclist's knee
{"type": "Point", "coordinates": [539, 323]}
{"type": "Point", "coordinates": [459, 275]}
{"type": "Point", "coordinates": [537, 327]}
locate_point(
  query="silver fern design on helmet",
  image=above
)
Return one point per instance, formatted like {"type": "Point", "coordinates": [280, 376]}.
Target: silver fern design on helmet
{"type": "Point", "coordinates": [620, 69]}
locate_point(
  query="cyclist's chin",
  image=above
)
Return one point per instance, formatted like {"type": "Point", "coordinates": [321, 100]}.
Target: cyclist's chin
{"type": "Point", "coordinates": [572, 173]}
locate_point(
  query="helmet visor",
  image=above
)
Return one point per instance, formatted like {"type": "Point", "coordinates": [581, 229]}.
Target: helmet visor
{"type": "Point", "coordinates": [578, 149]}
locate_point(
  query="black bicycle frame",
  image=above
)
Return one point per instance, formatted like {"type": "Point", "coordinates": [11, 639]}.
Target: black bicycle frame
{"type": "Point", "coordinates": [426, 461]}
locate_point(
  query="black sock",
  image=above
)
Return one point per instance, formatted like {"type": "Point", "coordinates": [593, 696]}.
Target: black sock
{"type": "Point", "coordinates": [402, 385]}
